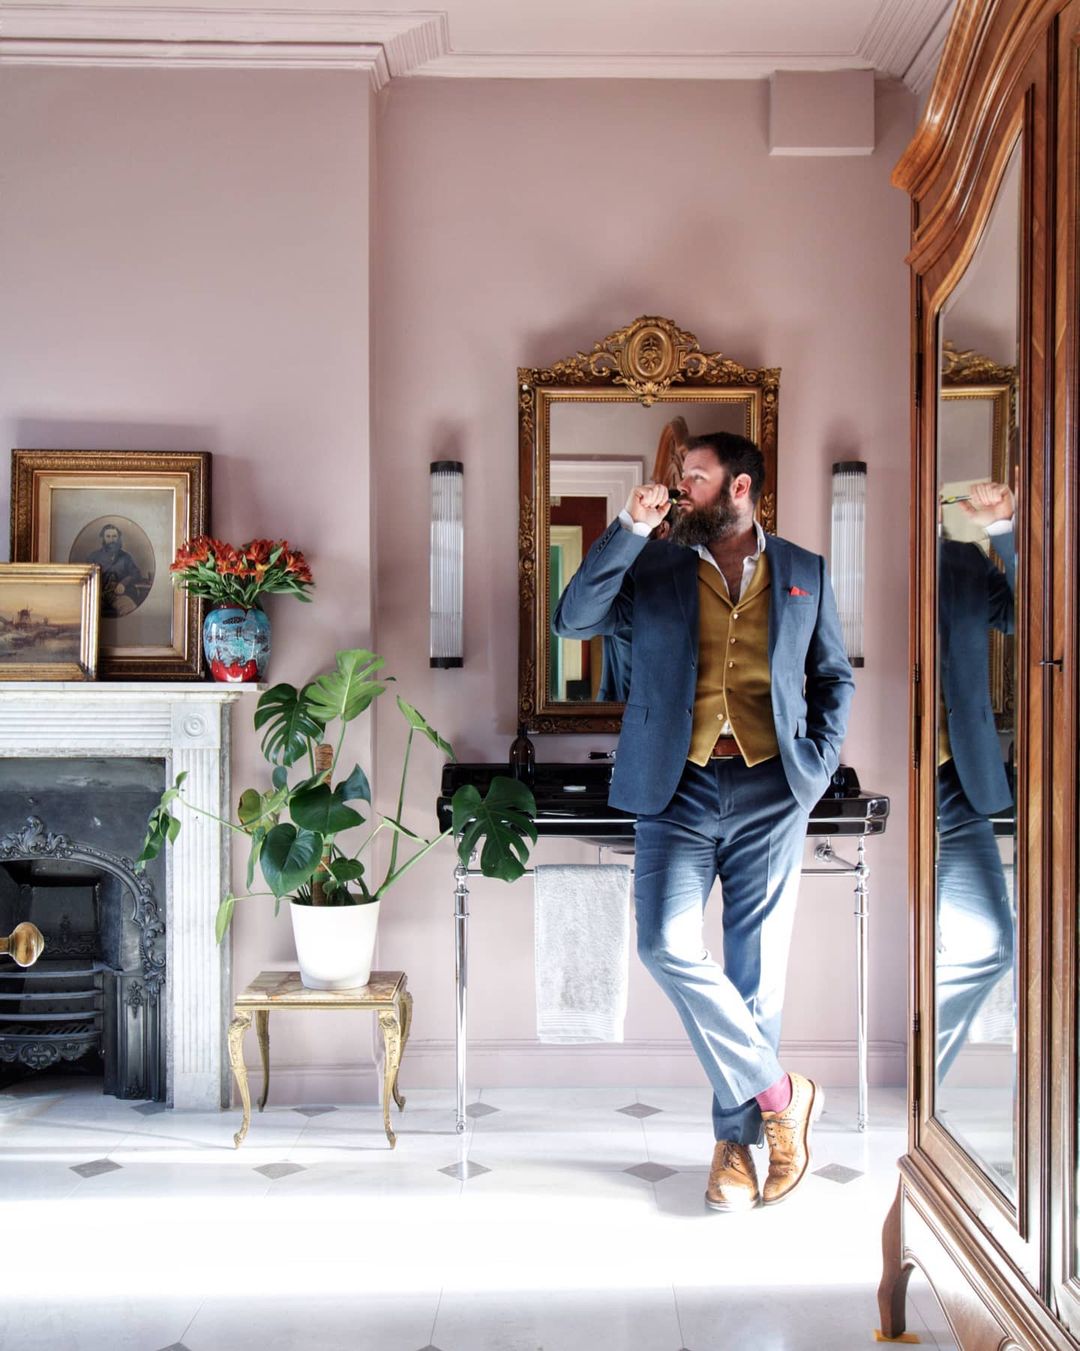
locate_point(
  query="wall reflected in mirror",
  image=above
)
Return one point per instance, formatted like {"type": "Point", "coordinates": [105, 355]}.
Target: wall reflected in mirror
{"type": "Point", "coordinates": [601, 450]}
{"type": "Point", "coordinates": [978, 590]}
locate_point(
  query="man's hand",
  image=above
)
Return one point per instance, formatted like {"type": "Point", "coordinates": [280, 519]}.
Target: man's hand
{"type": "Point", "coordinates": [648, 505]}
{"type": "Point", "coordinates": [989, 502]}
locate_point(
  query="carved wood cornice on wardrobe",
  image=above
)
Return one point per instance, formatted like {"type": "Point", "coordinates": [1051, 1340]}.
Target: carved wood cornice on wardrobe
{"type": "Point", "coordinates": [988, 47]}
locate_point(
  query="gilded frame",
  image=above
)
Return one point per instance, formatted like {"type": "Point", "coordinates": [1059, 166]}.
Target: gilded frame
{"type": "Point", "coordinates": [29, 587]}
{"type": "Point", "coordinates": [650, 361]}
{"type": "Point", "coordinates": [971, 376]}
{"type": "Point", "coordinates": [165, 498]}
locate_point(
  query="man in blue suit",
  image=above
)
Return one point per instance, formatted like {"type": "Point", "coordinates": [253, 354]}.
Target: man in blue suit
{"type": "Point", "coordinates": [974, 915]}
{"type": "Point", "coordinates": [738, 698]}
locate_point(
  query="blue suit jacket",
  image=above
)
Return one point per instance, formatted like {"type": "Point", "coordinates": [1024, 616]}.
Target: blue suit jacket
{"type": "Point", "coordinates": [646, 592]}
{"type": "Point", "coordinates": [973, 598]}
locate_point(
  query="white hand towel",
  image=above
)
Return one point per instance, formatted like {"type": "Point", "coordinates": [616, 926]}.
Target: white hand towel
{"type": "Point", "coordinates": [582, 952]}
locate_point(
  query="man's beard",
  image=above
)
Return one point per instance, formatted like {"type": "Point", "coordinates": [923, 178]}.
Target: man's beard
{"type": "Point", "coordinates": [702, 525]}
{"type": "Point", "coordinates": [111, 548]}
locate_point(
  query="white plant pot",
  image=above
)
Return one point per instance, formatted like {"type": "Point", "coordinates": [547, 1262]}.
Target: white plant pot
{"type": "Point", "coordinates": [334, 944]}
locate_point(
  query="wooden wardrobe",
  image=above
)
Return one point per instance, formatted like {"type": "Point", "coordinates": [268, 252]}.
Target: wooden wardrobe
{"type": "Point", "coordinates": [988, 1200]}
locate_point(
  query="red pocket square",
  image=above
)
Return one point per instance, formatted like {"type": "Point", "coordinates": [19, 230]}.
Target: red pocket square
{"type": "Point", "coordinates": [798, 591]}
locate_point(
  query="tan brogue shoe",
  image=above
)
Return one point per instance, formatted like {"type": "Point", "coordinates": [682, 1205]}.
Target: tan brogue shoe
{"type": "Point", "coordinates": [732, 1180]}
{"type": "Point", "coordinates": [787, 1134]}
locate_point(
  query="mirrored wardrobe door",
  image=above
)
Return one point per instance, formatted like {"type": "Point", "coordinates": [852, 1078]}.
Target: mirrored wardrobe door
{"type": "Point", "coordinates": [977, 742]}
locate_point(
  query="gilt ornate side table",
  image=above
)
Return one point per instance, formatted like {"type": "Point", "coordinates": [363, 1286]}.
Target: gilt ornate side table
{"type": "Point", "coordinates": [385, 994]}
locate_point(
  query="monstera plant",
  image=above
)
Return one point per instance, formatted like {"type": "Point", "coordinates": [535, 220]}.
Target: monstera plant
{"type": "Point", "coordinates": [311, 829]}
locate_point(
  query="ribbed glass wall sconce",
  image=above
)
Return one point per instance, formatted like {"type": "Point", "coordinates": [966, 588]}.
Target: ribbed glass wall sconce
{"type": "Point", "coordinates": [848, 552]}
{"type": "Point", "coordinates": [447, 562]}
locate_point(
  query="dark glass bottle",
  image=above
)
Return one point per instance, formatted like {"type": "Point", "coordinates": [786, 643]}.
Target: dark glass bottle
{"type": "Point", "coordinates": [523, 757]}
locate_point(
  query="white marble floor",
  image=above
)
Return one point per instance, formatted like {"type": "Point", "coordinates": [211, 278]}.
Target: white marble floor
{"type": "Point", "coordinates": [558, 1222]}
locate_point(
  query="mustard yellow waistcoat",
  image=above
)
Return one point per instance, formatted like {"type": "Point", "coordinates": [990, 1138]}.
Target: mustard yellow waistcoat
{"type": "Point", "coordinates": [733, 682]}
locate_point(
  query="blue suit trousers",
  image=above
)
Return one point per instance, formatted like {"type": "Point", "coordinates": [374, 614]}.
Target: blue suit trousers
{"type": "Point", "coordinates": [743, 826]}
{"type": "Point", "coordinates": [974, 917]}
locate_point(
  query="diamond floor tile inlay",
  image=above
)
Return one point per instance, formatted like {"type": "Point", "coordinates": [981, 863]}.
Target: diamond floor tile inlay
{"type": "Point", "coordinates": [639, 1109]}
{"type": "Point", "coordinates": [650, 1172]}
{"type": "Point", "coordinates": [837, 1172]}
{"type": "Point", "coordinates": [283, 1169]}
{"type": "Point", "coordinates": [314, 1111]}
{"type": "Point", "coordinates": [176, 1346]}
{"type": "Point", "coordinates": [465, 1170]}
{"type": "Point", "coordinates": [95, 1167]}
{"type": "Point", "coordinates": [150, 1108]}
{"type": "Point", "coordinates": [476, 1109]}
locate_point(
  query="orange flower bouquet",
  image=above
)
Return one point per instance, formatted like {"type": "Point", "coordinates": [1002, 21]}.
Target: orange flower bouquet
{"type": "Point", "coordinates": [213, 569]}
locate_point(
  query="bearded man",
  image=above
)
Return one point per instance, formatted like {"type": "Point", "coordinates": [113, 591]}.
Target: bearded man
{"type": "Point", "coordinates": [123, 586]}
{"type": "Point", "coordinates": [739, 691]}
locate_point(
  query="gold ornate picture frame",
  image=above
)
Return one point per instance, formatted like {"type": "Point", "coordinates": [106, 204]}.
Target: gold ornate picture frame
{"type": "Point", "coordinates": [127, 512]}
{"type": "Point", "coordinates": [49, 621]}
{"type": "Point", "coordinates": [635, 396]}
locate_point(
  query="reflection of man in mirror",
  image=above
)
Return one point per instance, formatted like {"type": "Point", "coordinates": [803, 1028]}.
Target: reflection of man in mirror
{"type": "Point", "coordinates": [667, 469]}
{"type": "Point", "coordinates": [737, 704]}
{"type": "Point", "coordinates": [974, 919]}
{"type": "Point", "coordinates": [123, 586]}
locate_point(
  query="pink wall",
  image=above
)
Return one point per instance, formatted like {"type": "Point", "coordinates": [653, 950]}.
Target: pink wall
{"type": "Point", "coordinates": [184, 264]}
{"type": "Point", "coordinates": [516, 223]}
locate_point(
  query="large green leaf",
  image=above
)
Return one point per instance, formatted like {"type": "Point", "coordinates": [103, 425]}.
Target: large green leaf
{"type": "Point", "coordinates": [291, 726]}
{"type": "Point", "coordinates": [289, 857]}
{"type": "Point", "coordinates": [321, 810]}
{"type": "Point", "coordinates": [420, 723]}
{"type": "Point", "coordinates": [500, 824]}
{"type": "Point", "coordinates": [345, 692]}
{"type": "Point", "coordinates": [355, 788]}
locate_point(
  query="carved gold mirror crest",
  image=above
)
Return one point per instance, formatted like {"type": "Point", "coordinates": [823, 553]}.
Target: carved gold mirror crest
{"type": "Point", "coordinates": [592, 427]}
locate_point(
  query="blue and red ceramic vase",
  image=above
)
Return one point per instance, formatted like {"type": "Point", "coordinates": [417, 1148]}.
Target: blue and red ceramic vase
{"type": "Point", "coordinates": [236, 643]}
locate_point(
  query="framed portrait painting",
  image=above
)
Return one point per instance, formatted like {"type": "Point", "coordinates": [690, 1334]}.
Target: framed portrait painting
{"type": "Point", "coordinates": [127, 512]}
{"type": "Point", "coordinates": [49, 617]}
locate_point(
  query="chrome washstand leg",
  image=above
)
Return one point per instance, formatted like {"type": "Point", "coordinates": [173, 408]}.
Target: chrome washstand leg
{"type": "Point", "coordinates": [862, 961]}
{"type": "Point", "coordinates": [461, 983]}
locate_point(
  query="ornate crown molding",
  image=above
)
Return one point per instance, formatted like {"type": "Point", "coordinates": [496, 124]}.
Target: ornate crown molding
{"type": "Point", "coordinates": [633, 65]}
{"type": "Point", "coordinates": [900, 32]}
{"type": "Point", "coordinates": [391, 45]}
{"type": "Point", "coordinates": [385, 45]}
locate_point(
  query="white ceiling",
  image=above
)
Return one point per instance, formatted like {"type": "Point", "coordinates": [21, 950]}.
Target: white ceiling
{"type": "Point", "coordinates": [688, 39]}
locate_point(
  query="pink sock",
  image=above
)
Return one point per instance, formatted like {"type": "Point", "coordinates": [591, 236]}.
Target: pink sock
{"type": "Point", "coordinates": [777, 1097]}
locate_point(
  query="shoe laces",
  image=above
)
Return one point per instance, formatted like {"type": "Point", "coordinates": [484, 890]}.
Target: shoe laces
{"type": "Point", "coordinates": [773, 1125]}
{"type": "Point", "coordinates": [733, 1157]}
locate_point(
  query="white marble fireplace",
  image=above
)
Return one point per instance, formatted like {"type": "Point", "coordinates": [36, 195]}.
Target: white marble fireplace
{"type": "Point", "coordinates": [187, 726]}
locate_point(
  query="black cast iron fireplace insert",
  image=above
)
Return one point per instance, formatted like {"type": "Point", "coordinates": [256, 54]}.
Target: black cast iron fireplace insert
{"type": "Point", "coordinates": [95, 998]}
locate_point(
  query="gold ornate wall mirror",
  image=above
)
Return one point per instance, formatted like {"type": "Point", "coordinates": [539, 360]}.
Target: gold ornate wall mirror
{"type": "Point", "coordinates": [590, 428]}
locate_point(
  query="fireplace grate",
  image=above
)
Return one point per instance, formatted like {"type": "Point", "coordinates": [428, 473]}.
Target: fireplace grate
{"type": "Point", "coordinates": [71, 1027]}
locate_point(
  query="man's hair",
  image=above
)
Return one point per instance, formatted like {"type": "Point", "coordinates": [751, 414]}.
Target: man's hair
{"type": "Point", "coordinates": [737, 454]}
{"type": "Point", "coordinates": [109, 526]}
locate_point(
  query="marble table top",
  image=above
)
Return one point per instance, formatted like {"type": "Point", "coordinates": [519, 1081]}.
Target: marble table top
{"type": "Point", "coordinates": [279, 988]}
